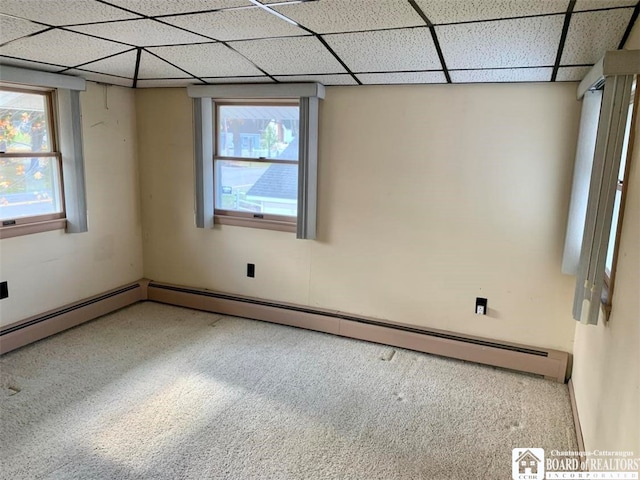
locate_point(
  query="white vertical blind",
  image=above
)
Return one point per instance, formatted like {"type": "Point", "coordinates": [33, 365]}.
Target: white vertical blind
{"type": "Point", "coordinates": [590, 115]}
{"type": "Point", "coordinates": [602, 189]}
{"type": "Point", "coordinates": [203, 157]}
{"type": "Point", "coordinates": [70, 135]}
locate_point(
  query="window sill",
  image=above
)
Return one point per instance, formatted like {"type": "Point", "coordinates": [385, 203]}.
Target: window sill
{"type": "Point", "coordinates": [35, 227]}
{"type": "Point", "coordinates": [277, 225]}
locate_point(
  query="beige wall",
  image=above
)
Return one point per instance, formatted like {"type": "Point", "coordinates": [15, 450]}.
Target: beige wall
{"type": "Point", "coordinates": [606, 371]}
{"type": "Point", "coordinates": [429, 197]}
{"type": "Point", "coordinates": [47, 270]}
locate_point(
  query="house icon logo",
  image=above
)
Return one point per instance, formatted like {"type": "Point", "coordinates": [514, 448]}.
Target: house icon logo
{"type": "Point", "coordinates": [527, 463]}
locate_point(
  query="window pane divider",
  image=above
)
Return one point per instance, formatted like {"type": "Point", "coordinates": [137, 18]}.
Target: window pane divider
{"type": "Point", "coordinates": [257, 160]}
{"type": "Point", "coordinates": [29, 154]}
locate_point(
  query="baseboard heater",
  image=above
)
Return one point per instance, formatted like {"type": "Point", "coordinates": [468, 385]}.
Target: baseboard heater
{"type": "Point", "coordinates": [54, 321]}
{"type": "Point", "coordinates": [551, 364]}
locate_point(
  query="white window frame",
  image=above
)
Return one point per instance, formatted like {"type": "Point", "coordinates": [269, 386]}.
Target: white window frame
{"type": "Point", "coordinates": [622, 186]}
{"type": "Point", "coordinates": [308, 95]}
{"type": "Point", "coordinates": [247, 219]}
{"type": "Point", "coordinates": [67, 122]}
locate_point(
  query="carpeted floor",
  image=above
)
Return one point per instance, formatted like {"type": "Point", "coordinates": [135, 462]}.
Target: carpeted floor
{"type": "Point", "coordinates": [158, 392]}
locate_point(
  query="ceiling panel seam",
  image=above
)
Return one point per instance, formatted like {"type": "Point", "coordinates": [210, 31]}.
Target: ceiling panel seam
{"type": "Point", "coordinates": [250, 61]}
{"type": "Point", "coordinates": [215, 40]}
{"type": "Point", "coordinates": [434, 37]}
{"type": "Point", "coordinates": [28, 36]}
{"type": "Point", "coordinates": [563, 39]}
{"type": "Point", "coordinates": [102, 73]}
{"type": "Point", "coordinates": [123, 9]}
{"type": "Point", "coordinates": [173, 65]}
{"type": "Point", "coordinates": [33, 61]}
{"type": "Point", "coordinates": [64, 29]}
{"type": "Point", "coordinates": [316, 35]}
{"type": "Point", "coordinates": [632, 21]}
{"type": "Point", "coordinates": [184, 29]}
{"type": "Point", "coordinates": [97, 60]}
{"type": "Point", "coordinates": [137, 69]}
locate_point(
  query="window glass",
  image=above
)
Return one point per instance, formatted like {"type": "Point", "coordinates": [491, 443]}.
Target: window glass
{"type": "Point", "coordinates": [257, 187]}
{"type": "Point", "coordinates": [258, 131]}
{"type": "Point", "coordinates": [30, 183]}
{"type": "Point", "coordinates": [24, 122]}
{"type": "Point", "coordinates": [613, 233]}
{"type": "Point", "coordinates": [28, 187]}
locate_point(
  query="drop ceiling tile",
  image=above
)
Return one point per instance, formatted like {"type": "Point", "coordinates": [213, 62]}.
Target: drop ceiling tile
{"type": "Point", "coordinates": [215, 80]}
{"type": "Point", "coordinates": [342, 79]}
{"type": "Point", "coordinates": [351, 15]}
{"type": "Point", "coordinates": [65, 12]}
{"type": "Point", "coordinates": [386, 51]}
{"type": "Point", "coordinates": [523, 42]}
{"type": "Point", "coordinates": [453, 11]}
{"type": "Point", "coordinates": [15, 62]}
{"type": "Point", "coordinates": [164, 83]}
{"type": "Point", "coordinates": [284, 56]}
{"type": "Point", "coordinates": [122, 65]}
{"type": "Point", "coordinates": [593, 33]}
{"type": "Point", "coordinates": [599, 4]}
{"type": "Point", "coordinates": [572, 74]}
{"type": "Point", "coordinates": [61, 47]}
{"type": "Point", "coordinates": [401, 78]}
{"type": "Point", "coordinates": [101, 78]}
{"type": "Point", "coordinates": [155, 7]}
{"type": "Point", "coordinates": [237, 24]}
{"type": "Point", "coordinates": [152, 67]}
{"type": "Point", "coordinates": [12, 28]}
{"type": "Point", "coordinates": [502, 75]}
{"type": "Point", "coordinates": [207, 60]}
{"type": "Point", "coordinates": [140, 32]}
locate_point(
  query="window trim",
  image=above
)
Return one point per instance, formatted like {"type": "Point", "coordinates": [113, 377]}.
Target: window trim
{"type": "Point", "coordinates": [308, 94]}
{"type": "Point", "coordinates": [66, 118]}
{"type": "Point", "coordinates": [266, 221]}
{"type": "Point", "coordinates": [610, 279]}
{"type": "Point", "coordinates": [615, 74]}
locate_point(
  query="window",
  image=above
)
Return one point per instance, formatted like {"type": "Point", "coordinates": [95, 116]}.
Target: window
{"type": "Point", "coordinates": [41, 160]}
{"type": "Point", "coordinates": [30, 162]}
{"type": "Point", "coordinates": [605, 143]}
{"type": "Point", "coordinates": [256, 160]}
{"type": "Point", "coordinates": [619, 201]}
{"type": "Point", "coordinates": [256, 163]}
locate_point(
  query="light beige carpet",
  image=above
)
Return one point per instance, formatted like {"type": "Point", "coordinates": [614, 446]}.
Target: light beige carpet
{"type": "Point", "coordinates": [158, 392]}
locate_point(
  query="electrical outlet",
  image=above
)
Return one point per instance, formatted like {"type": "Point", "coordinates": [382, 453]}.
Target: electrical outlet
{"type": "Point", "coordinates": [4, 290]}
{"type": "Point", "coordinates": [251, 270]}
{"type": "Point", "coordinates": [481, 306]}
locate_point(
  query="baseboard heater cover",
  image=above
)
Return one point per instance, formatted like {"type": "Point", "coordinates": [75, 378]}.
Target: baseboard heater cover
{"type": "Point", "coordinates": [552, 364]}
{"type": "Point", "coordinates": [54, 321]}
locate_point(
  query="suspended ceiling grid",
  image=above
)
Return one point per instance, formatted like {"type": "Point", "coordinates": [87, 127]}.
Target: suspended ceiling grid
{"type": "Point", "coordinates": [155, 43]}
